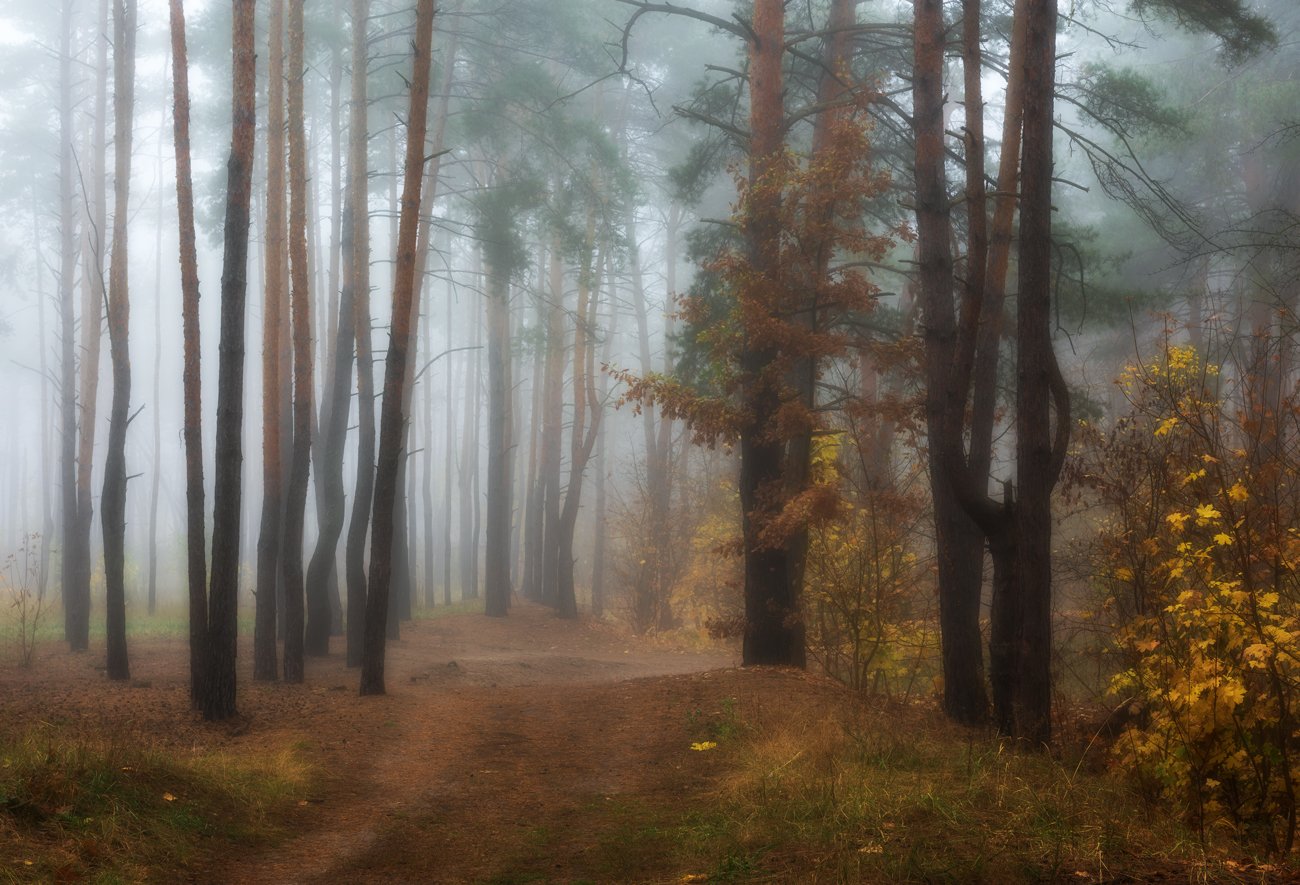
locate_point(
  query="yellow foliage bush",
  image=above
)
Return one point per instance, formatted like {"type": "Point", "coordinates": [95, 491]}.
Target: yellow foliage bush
{"type": "Point", "coordinates": [1198, 559]}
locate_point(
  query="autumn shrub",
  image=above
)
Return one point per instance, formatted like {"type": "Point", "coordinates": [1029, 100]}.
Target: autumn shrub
{"type": "Point", "coordinates": [1198, 558]}
{"type": "Point", "coordinates": [869, 621]}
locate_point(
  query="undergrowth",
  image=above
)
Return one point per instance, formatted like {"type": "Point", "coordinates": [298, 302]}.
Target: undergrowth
{"type": "Point", "coordinates": [89, 810]}
{"type": "Point", "coordinates": [900, 796]}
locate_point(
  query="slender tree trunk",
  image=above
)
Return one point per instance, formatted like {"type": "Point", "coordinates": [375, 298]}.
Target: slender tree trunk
{"type": "Point", "coordinates": [448, 456]}
{"type": "Point", "coordinates": [270, 538]}
{"type": "Point", "coordinates": [195, 532]}
{"type": "Point", "coordinates": [223, 612]}
{"type": "Point", "coordinates": [583, 434]}
{"type": "Point", "coordinates": [113, 499]}
{"type": "Point", "coordinates": [303, 400]}
{"type": "Point", "coordinates": [358, 177]}
{"type": "Point", "coordinates": [392, 421]}
{"type": "Point", "coordinates": [496, 572]}
{"type": "Point", "coordinates": [155, 403]}
{"type": "Point", "coordinates": [552, 429]}
{"type": "Point", "coordinates": [47, 538]}
{"type": "Point", "coordinates": [72, 563]}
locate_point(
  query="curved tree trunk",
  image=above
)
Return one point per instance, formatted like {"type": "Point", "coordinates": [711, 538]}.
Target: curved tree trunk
{"type": "Point", "coordinates": [358, 528]}
{"type": "Point", "coordinates": [113, 499]}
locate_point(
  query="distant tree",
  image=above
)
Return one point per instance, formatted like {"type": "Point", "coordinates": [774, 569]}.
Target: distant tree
{"type": "Point", "coordinates": [393, 421]}
{"type": "Point", "coordinates": [223, 611]}
{"type": "Point", "coordinates": [113, 500]}
{"type": "Point", "coordinates": [72, 562]}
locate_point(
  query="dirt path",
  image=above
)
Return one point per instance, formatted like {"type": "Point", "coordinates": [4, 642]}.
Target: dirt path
{"type": "Point", "coordinates": [494, 735]}
{"type": "Point", "coordinates": [527, 749]}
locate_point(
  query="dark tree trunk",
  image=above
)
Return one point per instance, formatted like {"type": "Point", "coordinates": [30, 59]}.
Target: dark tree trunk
{"type": "Point", "coordinates": [223, 613]}
{"type": "Point", "coordinates": [270, 537]}
{"type": "Point", "coordinates": [303, 400]}
{"type": "Point", "coordinates": [195, 533]}
{"type": "Point", "coordinates": [113, 499]}
{"type": "Point", "coordinates": [959, 540]}
{"type": "Point", "coordinates": [1037, 459]}
{"type": "Point", "coordinates": [392, 421]}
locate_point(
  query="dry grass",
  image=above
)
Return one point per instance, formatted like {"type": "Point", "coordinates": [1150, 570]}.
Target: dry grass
{"type": "Point", "coordinates": [76, 809]}
{"type": "Point", "coordinates": [900, 795]}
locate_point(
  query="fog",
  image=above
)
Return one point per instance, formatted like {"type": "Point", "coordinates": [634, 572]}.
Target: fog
{"type": "Point", "coordinates": [620, 135]}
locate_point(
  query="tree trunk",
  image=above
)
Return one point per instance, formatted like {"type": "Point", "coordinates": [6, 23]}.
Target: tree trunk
{"type": "Point", "coordinates": [223, 613]}
{"type": "Point", "coordinates": [303, 400]}
{"type": "Point", "coordinates": [392, 421]}
{"type": "Point", "coordinates": [959, 541]}
{"type": "Point", "coordinates": [496, 570]}
{"type": "Point", "coordinates": [552, 429]}
{"type": "Point", "coordinates": [358, 177]}
{"type": "Point", "coordinates": [155, 401]}
{"type": "Point", "coordinates": [773, 631]}
{"type": "Point", "coordinates": [270, 538]}
{"type": "Point", "coordinates": [1037, 464]}
{"type": "Point", "coordinates": [72, 562]}
{"type": "Point", "coordinates": [195, 533]}
{"type": "Point", "coordinates": [113, 498]}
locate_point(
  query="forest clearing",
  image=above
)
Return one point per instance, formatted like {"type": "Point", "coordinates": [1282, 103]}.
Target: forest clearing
{"type": "Point", "coordinates": [535, 750]}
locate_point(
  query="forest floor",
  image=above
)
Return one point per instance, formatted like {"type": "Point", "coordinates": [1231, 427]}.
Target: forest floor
{"type": "Point", "coordinates": [531, 749]}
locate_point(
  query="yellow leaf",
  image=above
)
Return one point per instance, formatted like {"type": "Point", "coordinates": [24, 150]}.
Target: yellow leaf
{"type": "Point", "coordinates": [1205, 512]}
{"type": "Point", "coordinates": [704, 745]}
{"type": "Point", "coordinates": [1223, 539]}
{"type": "Point", "coordinates": [168, 797]}
{"type": "Point", "coordinates": [1238, 492]}
{"type": "Point", "coordinates": [1166, 426]}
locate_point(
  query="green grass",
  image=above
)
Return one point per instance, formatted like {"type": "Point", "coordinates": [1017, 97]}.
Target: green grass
{"type": "Point", "coordinates": [99, 812]}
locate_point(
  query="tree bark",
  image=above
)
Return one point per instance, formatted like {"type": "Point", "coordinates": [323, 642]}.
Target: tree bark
{"type": "Point", "coordinates": [959, 541]}
{"type": "Point", "coordinates": [1037, 466]}
{"type": "Point", "coordinates": [223, 613]}
{"type": "Point", "coordinates": [303, 399]}
{"type": "Point", "coordinates": [358, 178]}
{"type": "Point", "coordinates": [113, 498]}
{"type": "Point", "coordinates": [270, 538]}
{"type": "Point", "coordinates": [392, 420]}
{"type": "Point", "coordinates": [195, 532]}
{"type": "Point", "coordinates": [773, 629]}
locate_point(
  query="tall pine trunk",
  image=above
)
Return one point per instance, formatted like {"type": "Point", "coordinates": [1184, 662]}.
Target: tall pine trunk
{"type": "Point", "coordinates": [392, 420]}
{"type": "Point", "coordinates": [303, 400]}
{"type": "Point", "coordinates": [270, 537]}
{"type": "Point", "coordinates": [223, 602]}
{"type": "Point", "coordinates": [773, 631]}
{"type": "Point", "coordinates": [195, 534]}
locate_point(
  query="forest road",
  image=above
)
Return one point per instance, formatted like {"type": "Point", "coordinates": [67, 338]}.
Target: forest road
{"type": "Point", "coordinates": [503, 751]}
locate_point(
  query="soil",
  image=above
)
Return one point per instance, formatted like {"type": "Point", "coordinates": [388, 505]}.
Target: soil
{"type": "Point", "coordinates": [505, 750]}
